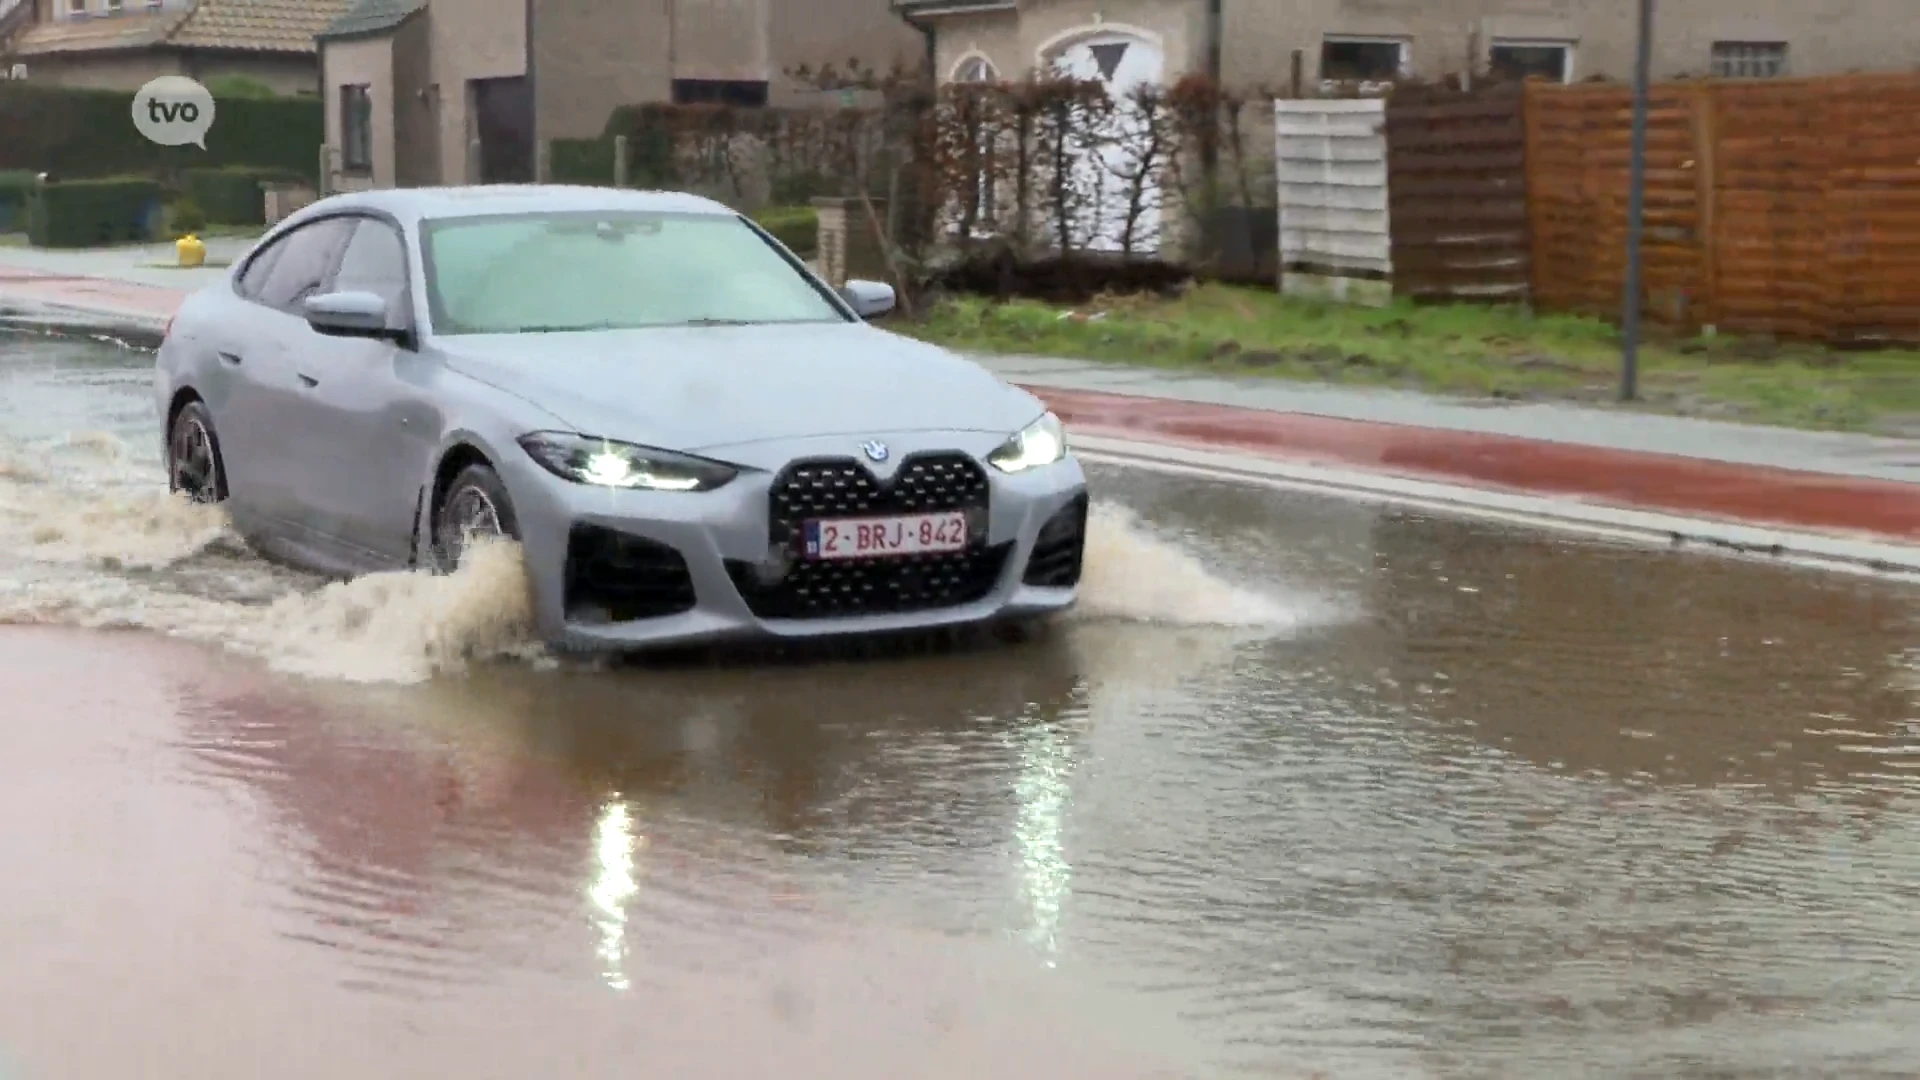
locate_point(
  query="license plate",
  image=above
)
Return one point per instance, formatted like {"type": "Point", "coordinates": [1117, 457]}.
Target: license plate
{"type": "Point", "coordinates": [862, 538]}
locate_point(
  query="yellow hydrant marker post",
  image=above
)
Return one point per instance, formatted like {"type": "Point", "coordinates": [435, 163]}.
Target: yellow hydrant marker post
{"type": "Point", "coordinates": [192, 251]}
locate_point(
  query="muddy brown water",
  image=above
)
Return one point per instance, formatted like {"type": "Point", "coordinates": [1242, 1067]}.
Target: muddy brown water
{"type": "Point", "coordinates": [1311, 787]}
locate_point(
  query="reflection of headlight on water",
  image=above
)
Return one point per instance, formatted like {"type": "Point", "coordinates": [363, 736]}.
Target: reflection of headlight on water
{"type": "Point", "coordinates": [614, 886]}
{"type": "Point", "coordinates": [1043, 789]}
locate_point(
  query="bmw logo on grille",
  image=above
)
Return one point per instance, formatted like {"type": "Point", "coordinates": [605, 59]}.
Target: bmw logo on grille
{"type": "Point", "coordinates": [876, 451]}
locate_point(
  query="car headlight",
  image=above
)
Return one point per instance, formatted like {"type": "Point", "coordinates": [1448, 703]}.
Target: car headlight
{"type": "Point", "coordinates": [584, 459]}
{"type": "Point", "coordinates": [1042, 443]}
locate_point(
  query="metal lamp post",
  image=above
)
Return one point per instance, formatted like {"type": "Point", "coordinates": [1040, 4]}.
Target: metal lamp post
{"type": "Point", "coordinates": [1636, 208]}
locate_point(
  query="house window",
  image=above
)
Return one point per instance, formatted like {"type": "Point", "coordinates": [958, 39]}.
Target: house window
{"type": "Point", "coordinates": [1355, 59]}
{"type": "Point", "coordinates": [76, 7]}
{"type": "Point", "coordinates": [1749, 59]}
{"type": "Point", "coordinates": [1551, 60]}
{"type": "Point", "coordinates": [356, 128]}
{"type": "Point", "coordinates": [114, 7]}
{"type": "Point", "coordinates": [737, 92]}
{"type": "Point", "coordinates": [1358, 59]}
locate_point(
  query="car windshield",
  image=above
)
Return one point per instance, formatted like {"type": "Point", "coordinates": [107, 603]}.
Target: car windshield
{"type": "Point", "coordinates": [604, 270]}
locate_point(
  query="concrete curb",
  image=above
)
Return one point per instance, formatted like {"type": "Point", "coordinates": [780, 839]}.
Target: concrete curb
{"type": "Point", "coordinates": [1828, 551]}
{"type": "Point", "coordinates": [138, 329]}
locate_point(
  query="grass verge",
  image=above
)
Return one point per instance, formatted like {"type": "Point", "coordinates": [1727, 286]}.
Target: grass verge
{"type": "Point", "coordinates": [1464, 350]}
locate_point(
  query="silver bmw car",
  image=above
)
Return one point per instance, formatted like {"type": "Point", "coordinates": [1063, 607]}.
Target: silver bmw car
{"type": "Point", "coordinates": [692, 437]}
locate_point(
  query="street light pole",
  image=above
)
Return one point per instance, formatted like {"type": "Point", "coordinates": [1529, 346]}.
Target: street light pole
{"type": "Point", "coordinates": [1636, 208]}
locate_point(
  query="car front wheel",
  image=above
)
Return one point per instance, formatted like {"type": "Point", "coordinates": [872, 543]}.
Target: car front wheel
{"type": "Point", "coordinates": [475, 506]}
{"type": "Point", "coordinates": [194, 466]}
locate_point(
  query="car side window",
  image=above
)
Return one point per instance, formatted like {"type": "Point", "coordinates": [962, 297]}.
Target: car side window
{"type": "Point", "coordinates": [255, 274]}
{"type": "Point", "coordinates": [375, 261]}
{"type": "Point", "coordinates": [300, 270]}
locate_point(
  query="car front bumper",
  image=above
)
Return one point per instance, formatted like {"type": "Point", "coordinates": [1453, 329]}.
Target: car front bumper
{"type": "Point", "coordinates": [695, 559]}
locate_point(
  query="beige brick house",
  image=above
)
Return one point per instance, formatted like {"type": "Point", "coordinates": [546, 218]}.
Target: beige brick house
{"type": "Point", "coordinates": [1374, 39]}
{"type": "Point", "coordinates": [457, 91]}
{"type": "Point", "coordinates": [120, 44]}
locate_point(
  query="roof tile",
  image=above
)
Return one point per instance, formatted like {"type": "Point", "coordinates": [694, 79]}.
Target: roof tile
{"type": "Point", "coordinates": [75, 35]}
{"type": "Point", "coordinates": [372, 17]}
{"type": "Point", "coordinates": [282, 26]}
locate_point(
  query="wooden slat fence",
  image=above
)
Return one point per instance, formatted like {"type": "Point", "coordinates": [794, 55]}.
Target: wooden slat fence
{"type": "Point", "coordinates": [1457, 193]}
{"type": "Point", "coordinates": [1787, 207]}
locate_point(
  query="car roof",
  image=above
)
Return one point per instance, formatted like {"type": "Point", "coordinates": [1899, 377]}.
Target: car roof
{"type": "Point", "coordinates": [412, 205]}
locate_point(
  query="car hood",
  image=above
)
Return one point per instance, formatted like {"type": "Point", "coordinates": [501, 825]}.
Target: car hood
{"type": "Point", "coordinates": [700, 387]}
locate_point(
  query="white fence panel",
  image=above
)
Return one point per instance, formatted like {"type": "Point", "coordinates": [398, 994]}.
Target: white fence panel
{"type": "Point", "coordinates": [1332, 172]}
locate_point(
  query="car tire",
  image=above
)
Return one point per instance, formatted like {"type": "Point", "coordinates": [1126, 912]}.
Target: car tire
{"type": "Point", "coordinates": [476, 503]}
{"type": "Point", "coordinates": [194, 465]}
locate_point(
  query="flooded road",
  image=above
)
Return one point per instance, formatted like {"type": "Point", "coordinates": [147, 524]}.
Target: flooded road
{"type": "Point", "coordinates": [1309, 787]}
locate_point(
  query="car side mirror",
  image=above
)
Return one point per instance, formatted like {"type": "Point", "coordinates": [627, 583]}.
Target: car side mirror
{"type": "Point", "coordinates": [349, 314]}
{"type": "Point", "coordinates": [869, 299]}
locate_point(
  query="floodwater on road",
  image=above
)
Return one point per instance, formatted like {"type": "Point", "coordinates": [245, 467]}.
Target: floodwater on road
{"type": "Point", "coordinates": [1308, 787]}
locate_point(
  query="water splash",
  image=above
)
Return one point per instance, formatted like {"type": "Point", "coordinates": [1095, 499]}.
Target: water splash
{"type": "Point", "coordinates": [91, 539]}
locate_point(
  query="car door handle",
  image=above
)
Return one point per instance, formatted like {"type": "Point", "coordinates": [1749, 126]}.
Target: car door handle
{"type": "Point", "coordinates": [309, 381]}
{"type": "Point", "coordinates": [230, 359]}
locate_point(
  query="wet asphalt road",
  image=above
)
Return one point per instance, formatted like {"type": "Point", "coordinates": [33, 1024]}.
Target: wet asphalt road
{"type": "Point", "coordinates": [1454, 800]}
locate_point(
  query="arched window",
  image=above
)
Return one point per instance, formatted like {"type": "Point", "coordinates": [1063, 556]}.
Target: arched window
{"type": "Point", "coordinates": [975, 69]}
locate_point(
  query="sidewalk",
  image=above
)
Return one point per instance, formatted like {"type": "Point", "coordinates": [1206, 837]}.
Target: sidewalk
{"type": "Point", "coordinates": [1828, 483]}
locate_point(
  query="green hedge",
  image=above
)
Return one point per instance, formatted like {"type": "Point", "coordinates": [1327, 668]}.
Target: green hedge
{"type": "Point", "coordinates": [77, 133]}
{"type": "Point", "coordinates": [87, 213]}
{"type": "Point", "coordinates": [233, 195]}
{"type": "Point", "coordinates": [581, 161]}
{"type": "Point", "coordinates": [798, 227]}
{"type": "Point", "coordinates": [16, 187]}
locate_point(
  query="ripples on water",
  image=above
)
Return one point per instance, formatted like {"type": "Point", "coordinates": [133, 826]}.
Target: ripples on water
{"type": "Point", "coordinates": [1490, 804]}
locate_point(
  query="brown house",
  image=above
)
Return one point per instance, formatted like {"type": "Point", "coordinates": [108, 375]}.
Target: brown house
{"type": "Point", "coordinates": [120, 44]}
{"type": "Point", "coordinates": [1255, 40]}
{"type": "Point", "coordinates": [463, 91]}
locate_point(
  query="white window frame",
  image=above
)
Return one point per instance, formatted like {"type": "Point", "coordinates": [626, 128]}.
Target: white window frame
{"type": "Point", "coordinates": [1404, 44]}
{"type": "Point", "coordinates": [76, 7]}
{"type": "Point", "coordinates": [1754, 51]}
{"type": "Point", "coordinates": [1567, 51]}
{"type": "Point", "coordinates": [114, 6]}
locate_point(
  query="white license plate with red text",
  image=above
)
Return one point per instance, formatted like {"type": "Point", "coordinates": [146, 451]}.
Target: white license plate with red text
{"type": "Point", "coordinates": [863, 538]}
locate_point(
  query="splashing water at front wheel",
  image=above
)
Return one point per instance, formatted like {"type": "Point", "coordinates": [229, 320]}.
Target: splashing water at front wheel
{"type": "Point", "coordinates": [1132, 574]}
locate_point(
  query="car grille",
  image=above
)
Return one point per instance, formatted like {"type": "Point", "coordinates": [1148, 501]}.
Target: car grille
{"type": "Point", "coordinates": [614, 577]}
{"type": "Point", "coordinates": [842, 487]}
{"type": "Point", "coordinates": [1060, 549]}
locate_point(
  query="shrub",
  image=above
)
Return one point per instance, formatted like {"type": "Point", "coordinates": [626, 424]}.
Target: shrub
{"type": "Point", "coordinates": [16, 188]}
{"type": "Point", "coordinates": [74, 133]}
{"type": "Point", "coordinates": [187, 217]}
{"type": "Point", "coordinates": [581, 161]}
{"type": "Point", "coordinates": [231, 196]}
{"type": "Point", "coordinates": [798, 227]}
{"type": "Point", "coordinates": [239, 86]}
{"type": "Point", "coordinates": [89, 213]}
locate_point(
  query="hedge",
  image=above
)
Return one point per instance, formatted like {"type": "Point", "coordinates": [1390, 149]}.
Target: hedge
{"type": "Point", "coordinates": [87, 213]}
{"type": "Point", "coordinates": [75, 133]}
{"type": "Point", "coordinates": [798, 227]}
{"type": "Point", "coordinates": [581, 161]}
{"type": "Point", "coordinates": [233, 195]}
{"type": "Point", "coordinates": [16, 187]}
